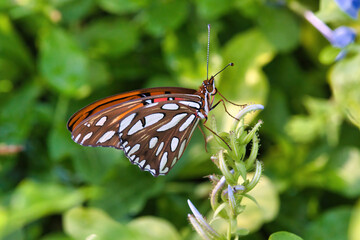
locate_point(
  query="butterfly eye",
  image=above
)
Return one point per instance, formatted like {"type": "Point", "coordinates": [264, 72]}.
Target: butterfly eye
{"type": "Point", "coordinates": [210, 86]}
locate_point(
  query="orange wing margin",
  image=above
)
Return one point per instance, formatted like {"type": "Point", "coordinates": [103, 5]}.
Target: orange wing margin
{"type": "Point", "coordinates": [120, 98]}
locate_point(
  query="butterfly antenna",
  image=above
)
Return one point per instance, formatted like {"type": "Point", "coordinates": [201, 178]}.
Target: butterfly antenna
{"type": "Point", "coordinates": [208, 53]}
{"type": "Point", "coordinates": [230, 64]}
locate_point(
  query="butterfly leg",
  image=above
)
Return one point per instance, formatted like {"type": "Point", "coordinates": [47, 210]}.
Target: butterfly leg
{"type": "Point", "coordinates": [222, 101]}
{"type": "Point", "coordinates": [204, 135]}
{"type": "Point", "coordinates": [217, 136]}
{"type": "Point", "coordinates": [226, 100]}
{"type": "Point", "coordinates": [212, 133]}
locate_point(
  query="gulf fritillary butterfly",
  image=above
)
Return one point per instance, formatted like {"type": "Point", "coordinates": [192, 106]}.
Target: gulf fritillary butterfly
{"type": "Point", "coordinates": [152, 126]}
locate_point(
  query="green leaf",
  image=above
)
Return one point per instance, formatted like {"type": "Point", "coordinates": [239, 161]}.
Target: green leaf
{"type": "Point", "coordinates": [5, 4]}
{"type": "Point", "coordinates": [161, 16]}
{"type": "Point", "coordinates": [345, 85]}
{"type": "Point", "coordinates": [122, 6]}
{"type": "Point", "coordinates": [56, 236]}
{"type": "Point", "coordinates": [354, 225]}
{"type": "Point", "coordinates": [154, 228]}
{"type": "Point", "coordinates": [32, 201]}
{"type": "Point", "coordinates": [16, 115]}
{"type": "Point", "coordinates": [91, 223]}
{"type": "Point", "coordinates": [266, 209]}
{"type": "Point", "coordinates": [249, 51]}
{"type": "Point", "coordinates": [324, 120]}
{"type": "Point", "coordinates": [99, 74]}
{"type": "Point", "coordinates": [333, 224]}
{"type": "Point", "coordinates": [82, 223]}
{"type": "Point", "coordinates": [342, 173]}
{"type": "Point", "coordinates": [93, 164]}
{"type": "Point", "coordinates": [330, 12]}
{"type": "Point", "coordinates": [242, 231]}
{"type": "Point", "coordinates": [284, 236]}
{"type": "Point", "coordinates": [15, 235]}
{"type": "Point", "coordinates": [245, 82]}
{"type": "Point", "coordinates": [63, 65]}
{"type": "Point", "coordinates": [60, 143]}
{"type": "Point", "coordinates": [15, 59]}
{"type": "Point", "coordinates": [132, 199]}
{"type": "Point", "coordinates": [212, 9]}
{"type": "Point", "coordinates": [303, 129]}
{"type": "Point", "coordinates": [249, 8]}
{"type": "Point", "coordinates": [110, 37]}
{"type": "Point", "coordinates": [284, 37]}
{"type": "Point", "coordinates": [75, 10]}
{"type": "Point", "coordinates": [328, 54]}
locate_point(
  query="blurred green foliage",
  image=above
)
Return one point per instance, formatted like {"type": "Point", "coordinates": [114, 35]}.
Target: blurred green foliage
{"type": "Point", "coordinates": [57, 56]}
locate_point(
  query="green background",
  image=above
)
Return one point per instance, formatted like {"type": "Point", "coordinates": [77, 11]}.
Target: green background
{"type": "Point", "coordinates": [58, 56]}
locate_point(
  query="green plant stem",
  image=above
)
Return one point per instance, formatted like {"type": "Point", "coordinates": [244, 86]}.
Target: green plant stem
{"type": "Point", "coordinates": [297, 7]}
{"type": "Point", "coordinates": [229, 230]}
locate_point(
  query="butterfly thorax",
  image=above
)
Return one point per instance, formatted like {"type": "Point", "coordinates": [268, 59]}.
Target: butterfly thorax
{"type": "Point", "coordinates": [207, 92]}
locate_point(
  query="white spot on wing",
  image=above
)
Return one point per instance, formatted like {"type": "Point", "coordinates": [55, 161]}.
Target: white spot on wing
{"type": "Point", "coordinates": [174, 143]}
{"type": "Point", "coordinates": [159, 148]}
{"type": "Point", "coordinates": [148, 168]}
{"type": "Point", "coordinates": [137, 127]}
{"type": "Point", "coordinates": [153, 142]}
{"type": "Point", "coordinates": [170, 106]}
{"type": "Point", "coordinates": [86, 137]}
{"type": "Point", "coordinates": [175, 120]}
{"type": "Point", "coordinates": [174, 161]}
{"type": "Point", "coordinates": [106, 136]}
{"type": "Point", "coordinates": [163, 162]}
{"type": "Point", "coordinates": [191, 104]}
{"type": "Point", "coordinates": [151, 105]}
{"type": "Point", "coordinates": [101, 121]}
{"type": "Point", "coordinates": [77, 137]}
{"type": "Point", "coordinates": [126, 122]}
{"type": "Point", "coordinates": [153, 118]}
{"type": "Point", "coordinates": [127, 149]}
{"type": "Point", "coordinates": [182, 147]}
{"type": "Point", "coordinates": [187, 123]}
{"type": "Point", "coordinates": [134, 149]}
{"type": "Point", "coordinates": [142, 163]}
{"type": "Point", "coordinates": [200, 115]}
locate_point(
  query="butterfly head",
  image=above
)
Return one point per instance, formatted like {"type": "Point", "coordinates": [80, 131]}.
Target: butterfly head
{"type": "Point", "coordinates": [209, 86]}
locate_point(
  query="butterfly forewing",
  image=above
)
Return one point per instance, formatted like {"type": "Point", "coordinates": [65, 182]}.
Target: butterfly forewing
{"type": "Point", "coordinates": [152, 131]}
{"type": "Point", "coordinates": [115, 100]}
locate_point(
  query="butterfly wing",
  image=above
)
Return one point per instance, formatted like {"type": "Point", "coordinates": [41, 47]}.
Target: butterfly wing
{"type": "Point", "coordinates": [152, 131]}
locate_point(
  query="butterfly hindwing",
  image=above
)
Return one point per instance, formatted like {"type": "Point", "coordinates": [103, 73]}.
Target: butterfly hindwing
{"type": "Point", "coordinates": [161, 136]}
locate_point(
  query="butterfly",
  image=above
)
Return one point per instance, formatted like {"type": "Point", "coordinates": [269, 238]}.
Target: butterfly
{"type": "Point", "coordinates": [152, 126]}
